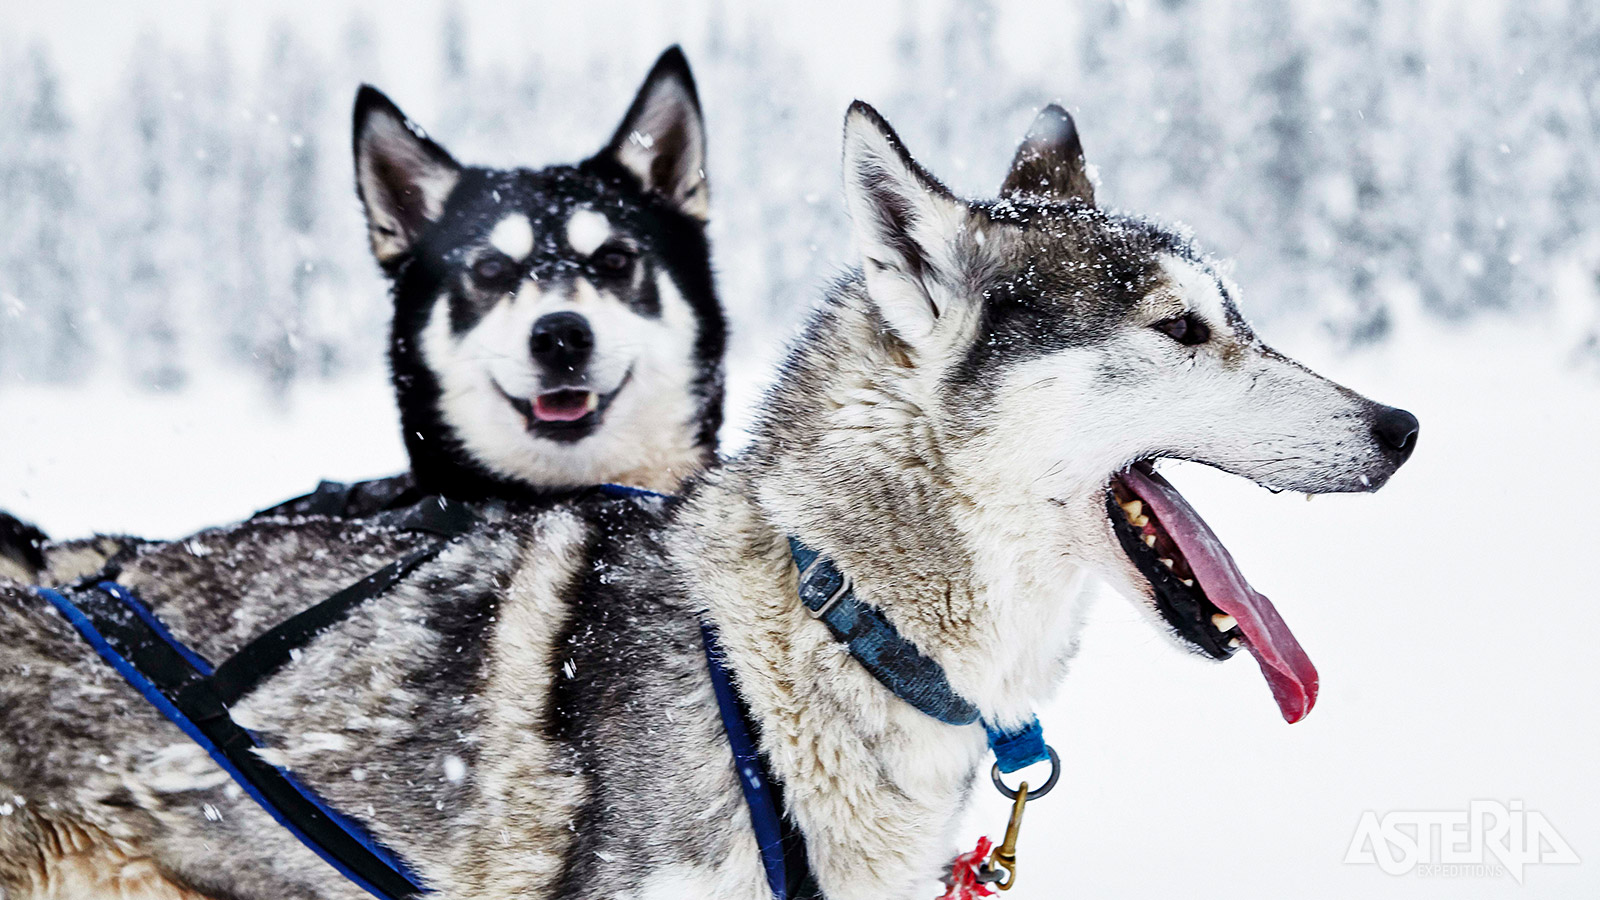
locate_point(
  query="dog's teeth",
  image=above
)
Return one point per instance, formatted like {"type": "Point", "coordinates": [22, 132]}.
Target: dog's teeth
{"type": "Point", "coordinates": [592, 403]}
{"type": "Point", "coordinates": [1310, 497]}
{"type": "Point", "coordinates": [1132, 509]}
{"type": "Point", "coordinates": [1149, 540]}
{"type": "Point", "coordinates": [1223, 621]}
{"type": "Point", "coordinates": [1187, 582]}
{"type": "Point", "coordinates": [1165, 562]}
{"type": "Point", "coordinates": [1233, 643]}
{"type": "Point", "coordinates": [1142, 521]}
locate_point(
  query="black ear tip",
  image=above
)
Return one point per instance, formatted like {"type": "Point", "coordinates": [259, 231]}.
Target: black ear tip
{"type": "Point", "coordinates": [1053, 124]}
{"type": "Point", "coordinates": [1060, 114]}
{"type": "Point", "coordinates": [369, 100]}
{"type": "Point", "coordinates": [673, 64]}
{"type": "Point", "coordinates": [673, 56]}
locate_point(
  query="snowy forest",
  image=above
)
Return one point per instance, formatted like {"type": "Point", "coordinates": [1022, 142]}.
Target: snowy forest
{"type": "Point", "coordinates": [1360, 162]}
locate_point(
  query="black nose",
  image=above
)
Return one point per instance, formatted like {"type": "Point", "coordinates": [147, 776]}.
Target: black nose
{"type": "Point", "coordinates": [561, 341]}
{"type": "Point", "coordinates": [1396, 430]}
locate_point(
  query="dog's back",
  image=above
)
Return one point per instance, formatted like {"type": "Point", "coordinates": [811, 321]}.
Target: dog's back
{"type": "Point", "coordinates": [494, 785]}
{"type": "Point", "coordinates": [88, 757]}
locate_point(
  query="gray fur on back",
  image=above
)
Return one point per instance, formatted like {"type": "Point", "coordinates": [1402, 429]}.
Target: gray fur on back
{"type": "Point", "coordinates": [466, 717]}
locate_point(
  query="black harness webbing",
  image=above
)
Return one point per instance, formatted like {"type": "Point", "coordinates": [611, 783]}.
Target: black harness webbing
{"type": "Point", "coordinates": [351, 500]}
{"type": "Point", "coordinates": [258, 660]}
{"type": "Point", "coordinates": [186, 689]}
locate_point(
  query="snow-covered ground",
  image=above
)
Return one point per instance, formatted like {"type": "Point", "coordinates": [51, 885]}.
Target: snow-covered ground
{"type": "Point", "coordinates": [1451, 616]}
{"type": "Point", "coordinates": [113, 458]}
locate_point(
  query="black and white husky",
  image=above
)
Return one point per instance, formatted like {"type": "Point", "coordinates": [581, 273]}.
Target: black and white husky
{"type": "Point", "coordinates": [966, 431]}
{"type": "Point", "coordinates": [553, 328]}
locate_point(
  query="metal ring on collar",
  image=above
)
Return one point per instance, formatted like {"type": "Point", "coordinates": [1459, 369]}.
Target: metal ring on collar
{"type": "Point", "coordinates": [1049, 784]}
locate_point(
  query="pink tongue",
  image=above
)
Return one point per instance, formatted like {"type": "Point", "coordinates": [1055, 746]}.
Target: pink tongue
{"type": "Point", "coordinates": [1289, 671]}
{"type": "Point", "coordinates": [561, 406]}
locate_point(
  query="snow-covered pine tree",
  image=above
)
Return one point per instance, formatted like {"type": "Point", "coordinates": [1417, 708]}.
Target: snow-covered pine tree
{"type": "Point", "coordinates": [42, 302]}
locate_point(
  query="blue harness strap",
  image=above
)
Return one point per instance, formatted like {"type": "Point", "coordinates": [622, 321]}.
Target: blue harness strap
{"type": "Point", "coordinates": [194, 695]}
{"type": "Point", "coordinates": [782, 846]}
{"type": "Point", "coordinates": [136, 606]}
{"type": "Point", "coordinates": [176, 681]}
{"type": "Point", "coordinates": [627, 491]}
{"type": "Point", "coordinates": [759, 792]}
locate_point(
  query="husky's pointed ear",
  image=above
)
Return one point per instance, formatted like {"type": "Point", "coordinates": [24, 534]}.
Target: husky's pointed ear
{"type": "Point", "coordinates": [402, 177]}
{"type": "Point", "coordinates": [662, 139]}
{"type": "Point", "coordinates": [905, 225]}
{"type": "Point", "coordinates": [1049, 164]}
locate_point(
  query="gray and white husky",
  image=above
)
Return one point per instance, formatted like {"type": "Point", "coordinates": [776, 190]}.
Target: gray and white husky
{"type": "Point", "coordinates": [966, 430]}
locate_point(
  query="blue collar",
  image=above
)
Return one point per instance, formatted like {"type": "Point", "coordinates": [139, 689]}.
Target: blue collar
{"type": "Point", "coordinates": [897, 663]}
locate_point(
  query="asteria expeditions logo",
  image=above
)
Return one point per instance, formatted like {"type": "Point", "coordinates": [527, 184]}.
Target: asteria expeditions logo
{"type": "Point", "coordinates": [1487, 839]}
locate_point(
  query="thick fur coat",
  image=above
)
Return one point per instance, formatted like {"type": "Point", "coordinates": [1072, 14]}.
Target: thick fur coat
{"type": "Point", "coordinates": [530, 714]}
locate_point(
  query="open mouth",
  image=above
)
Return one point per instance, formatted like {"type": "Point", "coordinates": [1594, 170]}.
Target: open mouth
{"type": "Point", "coordinates": [564, 413]}
{"type": "Point", "coordinates": [564, 405]}
{"type": "Point", "coordinates": [1199, 589]}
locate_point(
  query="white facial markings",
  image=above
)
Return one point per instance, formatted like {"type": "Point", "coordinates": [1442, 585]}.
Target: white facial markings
{"type": "Point", "coordinates": [1136, 394]}
{"type": "Point", "coordinates": [1198, 291]}
{"type": "Point", "coordinates": [587, 231]}
{"type": "Point", "coordinates": [648, 436]}
{"type": "Point", "coordinates": [676, 313]}
{"type": "Point", "coordinates": [513, 236]}
{"type": "Point", "coordinates": [645, 366]}
{"type": "Point", "coordinates": [584, 292]}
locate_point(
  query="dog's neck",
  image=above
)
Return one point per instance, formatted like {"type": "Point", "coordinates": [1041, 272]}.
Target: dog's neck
{"type": "Point", "coordinates": [851, 462]}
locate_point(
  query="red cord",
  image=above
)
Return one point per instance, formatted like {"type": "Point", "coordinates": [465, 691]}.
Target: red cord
{"type": "Point", "coordinates": [963, 878]}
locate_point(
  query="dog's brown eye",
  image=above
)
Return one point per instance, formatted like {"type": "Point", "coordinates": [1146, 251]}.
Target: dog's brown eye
{"type": "Point", "coordinates": [614, 261]}
{"type": "Point", "coordinates": [1186, 329]}
{"type": "Point", "coordinates": [495, 272]}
